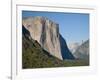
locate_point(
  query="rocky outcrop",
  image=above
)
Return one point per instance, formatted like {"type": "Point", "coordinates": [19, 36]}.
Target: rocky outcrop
{"type": "Point", "coordinates": [46, 32]}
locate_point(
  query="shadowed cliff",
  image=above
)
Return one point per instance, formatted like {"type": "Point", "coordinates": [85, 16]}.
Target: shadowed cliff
{"type": "Point", "coordinates": [66, 54]}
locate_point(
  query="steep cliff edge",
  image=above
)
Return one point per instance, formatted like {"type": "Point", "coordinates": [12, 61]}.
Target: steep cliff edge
{"type": "Point", "coordinates": [34, 56]}
{"type": "Point", "coordinates": [46, 32]}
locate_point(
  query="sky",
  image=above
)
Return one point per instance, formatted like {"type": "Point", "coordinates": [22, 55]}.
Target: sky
{"type": "Point", "coordinates": [74, 27]}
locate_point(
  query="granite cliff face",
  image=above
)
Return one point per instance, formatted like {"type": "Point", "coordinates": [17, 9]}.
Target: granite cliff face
{"type": "Point", "coordinates": [34, 56]}
{"type": "Point", "coordinates": [46, 32]}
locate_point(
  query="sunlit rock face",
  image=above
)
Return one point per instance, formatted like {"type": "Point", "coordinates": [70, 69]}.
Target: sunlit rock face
{"type": "Point", "coordinates": [46, 32]}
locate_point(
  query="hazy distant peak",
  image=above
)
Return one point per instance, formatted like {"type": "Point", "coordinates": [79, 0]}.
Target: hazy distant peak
{"type": "Point", "coordinates": [82, 51]}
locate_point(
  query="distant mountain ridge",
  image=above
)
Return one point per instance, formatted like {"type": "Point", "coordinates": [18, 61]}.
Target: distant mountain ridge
{"type": "Point", "coordinates": [82, 52]}
{"type": "Point", "coordinates": [73, 46]}
{"type": "Point", "coordinates": [46, 32]}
